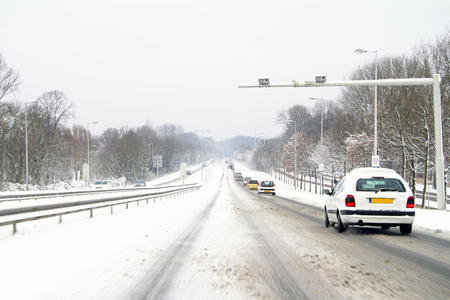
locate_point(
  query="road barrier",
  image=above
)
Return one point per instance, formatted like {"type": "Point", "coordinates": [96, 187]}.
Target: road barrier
{"type": "Point", "coordinates": [39, 209]}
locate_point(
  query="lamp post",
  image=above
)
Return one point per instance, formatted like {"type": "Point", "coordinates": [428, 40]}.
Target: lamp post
{"type": "Point", "coordinates": [375, 119]}
{"type": "Point", "coordinates": [88, 138]}
{"type": "Point", "coordinates": [26, 142]}
{"type": "Point", "coordinates": [321, 118]}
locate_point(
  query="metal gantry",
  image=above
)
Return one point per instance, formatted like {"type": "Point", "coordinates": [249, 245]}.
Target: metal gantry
{"type": "Point", "coordinates": [435, 82]}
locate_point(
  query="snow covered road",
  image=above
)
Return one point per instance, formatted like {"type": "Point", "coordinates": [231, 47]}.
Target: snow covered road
{"type": "Point", "coordinates": [220, 242]}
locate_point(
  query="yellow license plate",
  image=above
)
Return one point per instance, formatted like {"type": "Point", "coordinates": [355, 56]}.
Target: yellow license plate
{"type": "Point", "coordinates": [381, 200]}
{"type": "Point", "coordinates": [268, 191]}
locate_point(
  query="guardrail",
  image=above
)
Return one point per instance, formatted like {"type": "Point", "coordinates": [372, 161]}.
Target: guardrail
{"type": "Point", "coordinates": [311, 179]}
{"type": "Point", "coordinates": [35, 196]}
{"type": "Point", "coordinates": [43, 195]}
{"type": "Point", "coordinates": [135, 198]}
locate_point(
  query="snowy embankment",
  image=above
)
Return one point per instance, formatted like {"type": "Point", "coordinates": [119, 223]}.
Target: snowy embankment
{"type": "Point", "coordinates": [429, 220]}
{"type": "Point", "coordinates": [100, 258]}
{"type": "Point", "coordinates": [19, 189]}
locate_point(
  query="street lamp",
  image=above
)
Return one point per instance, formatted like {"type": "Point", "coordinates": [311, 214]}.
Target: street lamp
{"type": "Point", "coordinates": [26, 142]}
{"type": "Point", "coordinates": [321, 119]}
{"type": "Point", "coordinates": [87, 138]}
{"type": "Point", "coordinates": [202, 156]}
{"type": "Point", "coordinates": [375, 122]}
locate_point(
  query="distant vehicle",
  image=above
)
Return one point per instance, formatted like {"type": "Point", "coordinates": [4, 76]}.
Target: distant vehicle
{"type": "Point", "coordinates": [239, 178]}
{"type": "Point", "coordinates": [373, 197]}
{"type": "Point", "coordinates": [246, 180]}
{"type": "Point", "coordinates": [266, 187]}
{"type": "Point", "coordinates": [253, 184]}
{"type": "Point", "coordinates": [139, 183]}
{"type": "Point", "coordinates": [237, 174]}
{"type": "Point", "coordinates": [188, 172]}
{"type": "Point", "coordinates": [102, 184]}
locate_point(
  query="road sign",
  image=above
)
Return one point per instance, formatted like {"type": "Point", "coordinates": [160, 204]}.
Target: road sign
{"type": "Point", "coordinates": [85, 172]}
{"type": "Point", "coordinates": [183, 173]}
{"type": "Point", "coordinates": [375, 161]}
{"type": "Point", "coordinates": [157, 161]}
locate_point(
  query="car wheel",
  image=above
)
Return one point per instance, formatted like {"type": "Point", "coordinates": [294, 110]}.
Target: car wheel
{"type": "Point", "coordinates": [405, 229]}
{"type": "Point", "coordinates": [385, 227]}
{"type": "Point", "coordinates": [327, 221]}
{"type": "Point", "coordinates": [273, 194]}
{"type": "Point", "coordinates": [340, 226]}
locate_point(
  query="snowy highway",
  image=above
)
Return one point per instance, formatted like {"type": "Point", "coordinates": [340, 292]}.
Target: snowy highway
{"type": "Point", "coordinates": [221, 241]}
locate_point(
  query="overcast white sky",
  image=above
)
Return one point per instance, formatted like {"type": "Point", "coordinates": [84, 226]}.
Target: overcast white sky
{"type": "Point", "coordinates": [126, 62]}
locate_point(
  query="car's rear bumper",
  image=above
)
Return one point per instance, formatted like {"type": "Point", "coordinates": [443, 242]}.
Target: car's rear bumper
{"type": "Point", "coordinates": [268, 191]}
{"type": "Point", "coordinates": [377, 217]}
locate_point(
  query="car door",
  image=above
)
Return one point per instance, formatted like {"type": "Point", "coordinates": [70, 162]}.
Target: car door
{"type": "Point", "coordinates": [334, 200]}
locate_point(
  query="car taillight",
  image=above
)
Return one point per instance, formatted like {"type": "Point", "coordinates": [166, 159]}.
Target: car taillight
{"type": "Point", "coordinates": [410, 202]}
{"type": "Point", "coordinates": [350, 201]}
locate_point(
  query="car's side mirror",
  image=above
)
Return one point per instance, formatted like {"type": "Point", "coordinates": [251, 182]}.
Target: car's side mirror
{"type": "Point", "coordinates": [327, 192]}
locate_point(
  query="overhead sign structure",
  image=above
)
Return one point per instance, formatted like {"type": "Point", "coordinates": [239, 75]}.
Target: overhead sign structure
{"type": "Point", "coordinates": [437, 113]}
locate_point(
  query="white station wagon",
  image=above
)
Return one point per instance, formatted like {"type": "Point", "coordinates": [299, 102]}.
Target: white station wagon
{"type": "Point", "coordinates": [372, 197]}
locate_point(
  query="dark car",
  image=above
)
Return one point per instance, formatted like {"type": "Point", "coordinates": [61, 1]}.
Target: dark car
{"type": "Point", "coordinates": [139, 182]}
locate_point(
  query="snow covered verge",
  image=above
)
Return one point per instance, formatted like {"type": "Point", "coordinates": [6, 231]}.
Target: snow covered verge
{"type": "Point", "coordinates": [99, 258]}
{"type": "Point", "coordinates": [429, 220]}
{"type": "Point", "coordinates": [13, 188]}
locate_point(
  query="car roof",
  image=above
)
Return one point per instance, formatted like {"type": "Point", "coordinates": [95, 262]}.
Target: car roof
{"type": "Point", "coordinates": [373, 172]}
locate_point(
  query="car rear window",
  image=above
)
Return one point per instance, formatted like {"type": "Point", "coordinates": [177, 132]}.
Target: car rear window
{"type": "Point", "coordinates": [253, 181]}
{"type": "Point", "coordinates": [379, 184]}
{"type": "Point", "coordinates": [267, 184]}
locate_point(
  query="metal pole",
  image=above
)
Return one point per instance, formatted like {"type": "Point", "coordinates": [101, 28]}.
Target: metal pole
{"type": "Point", "coordinates": [440, 193]}
{"type": "Point", "coordinates": [89, 166]}
{"type": "Point", "coordinates": [295, 154]}
{"type": "Point", "coordinates": [321, 126]}
{"type": "Point", "coordinates": [375, 114]}
{"type": "Point", "coordinates": [26, 147]}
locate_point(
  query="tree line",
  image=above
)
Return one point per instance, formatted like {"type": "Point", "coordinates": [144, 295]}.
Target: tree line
{"type": "Point", "coordinates": [405, 120]}
{"type": "Point", "coordinates": [58, 152]}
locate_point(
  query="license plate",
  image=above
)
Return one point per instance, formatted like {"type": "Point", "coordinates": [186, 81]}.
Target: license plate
{"type": "Point", "coordinates": [381, 200]}
{"type": "Point", "coordinates": [268, 191]}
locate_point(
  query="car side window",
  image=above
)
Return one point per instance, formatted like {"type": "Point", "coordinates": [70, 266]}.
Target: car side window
{"type": "Point", "coordinates": [338, 188]}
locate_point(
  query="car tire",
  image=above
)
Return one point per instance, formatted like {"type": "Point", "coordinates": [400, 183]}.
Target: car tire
{"type": "Point", "coordinates": [405, 229]}
{"type": "Point", "coordinates": [340, 226]}
{"type": "Point", "coordinates": [273, 194]}
{"type": "Point", "coordinates": [327, 221]}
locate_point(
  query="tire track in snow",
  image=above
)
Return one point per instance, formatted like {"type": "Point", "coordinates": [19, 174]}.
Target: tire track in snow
{"type": "Point", "coordinates": [437, 270]}
{"type": "Point", "coordinates": [157, 282]}
{"type": "Point", "coordinates": [285, 284]}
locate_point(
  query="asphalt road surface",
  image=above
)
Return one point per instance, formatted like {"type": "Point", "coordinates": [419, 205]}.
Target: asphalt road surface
{"type": "Point", "coordinates": [242, 245]}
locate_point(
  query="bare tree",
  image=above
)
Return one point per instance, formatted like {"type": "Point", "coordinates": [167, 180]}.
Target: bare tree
{"type": "Point", "coordinates": [9, 79]}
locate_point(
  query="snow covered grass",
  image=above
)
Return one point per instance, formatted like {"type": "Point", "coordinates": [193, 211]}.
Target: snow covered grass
{"type": "Point", "coordinates": [429, 220]}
